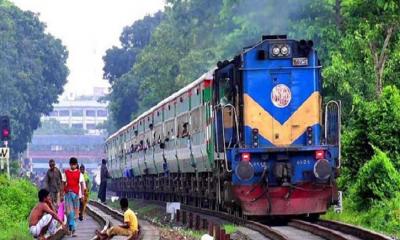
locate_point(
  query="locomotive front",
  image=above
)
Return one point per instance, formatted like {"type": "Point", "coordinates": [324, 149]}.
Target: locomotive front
{"type": "Point", "coordinates": [281, 145]}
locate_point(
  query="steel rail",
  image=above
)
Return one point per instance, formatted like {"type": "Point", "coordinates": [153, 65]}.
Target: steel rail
{"type": "Point", "coordinates": [256, 226]}
{"type": "Point", "coordinates": [353, 230]}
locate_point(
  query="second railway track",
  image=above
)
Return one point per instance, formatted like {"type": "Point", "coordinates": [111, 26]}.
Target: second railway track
{"type": "Point", "coordinates": [102, 217]}
{"type": "Point", "coordinates": [294, 229]}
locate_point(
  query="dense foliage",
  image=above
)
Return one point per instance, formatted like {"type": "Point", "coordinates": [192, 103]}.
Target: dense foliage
{"type": "Point", "coordinates": [377, 180]}
{"type": "Point", "coordinates": [374, 123]}
{"type": "Point", "coordinates": [32, 71]}
{"type": "Point", "coordinates": [118, 61]}
{"type": "Point", "coordinates": [358, 42]}
{"type": "Point", "coordinates": [17, 198]}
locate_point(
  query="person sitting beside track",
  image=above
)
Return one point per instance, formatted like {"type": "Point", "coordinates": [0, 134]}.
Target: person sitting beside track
{"type": "Point", "coordinates": [129, 228]}
{"type": "Point", "coordinates": [43, 219]}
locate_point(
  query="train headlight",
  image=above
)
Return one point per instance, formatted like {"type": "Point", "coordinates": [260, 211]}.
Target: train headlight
{"type": "Point", "coordinates": [322, 169]}
{"type": "Point", "coordinates": [284, 50]}
{"type": "Point", "coordinates": [280, 50]}
{"type": "Point", "coordinates": [275, 51]}
{"type": "Point", "coordinates": [244, 170]}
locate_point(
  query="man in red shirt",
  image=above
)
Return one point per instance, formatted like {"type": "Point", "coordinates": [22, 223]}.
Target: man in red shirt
{"type": "Point", "coordinates": [72, 178]}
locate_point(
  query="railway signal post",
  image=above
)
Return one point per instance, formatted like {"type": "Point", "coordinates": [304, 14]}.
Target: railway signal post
{"type": "Point", "coordinates": [5, 135]}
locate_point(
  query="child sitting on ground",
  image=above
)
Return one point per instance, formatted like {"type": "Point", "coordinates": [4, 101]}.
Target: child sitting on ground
{"type": "Point", "coordinates": [129, 228]}
{"type": "Point", "coordinates": [43, 219]}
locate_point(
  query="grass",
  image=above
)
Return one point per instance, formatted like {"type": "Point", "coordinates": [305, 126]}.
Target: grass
{"type": "Point", "coordinates": [192, 233]}
{"type": "Point", "coordinates": [17, 198]}
{"type": "Point", "coordinates": [93, 195]}
{"type": "Point", "coordinates": [230, 228]}
{"type": "Point", "coordinates": [383, 217]}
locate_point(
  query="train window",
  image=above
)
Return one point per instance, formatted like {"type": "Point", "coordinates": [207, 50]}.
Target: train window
{"type": "Point", "coordinates": [170, 126]}
{"type": "Point", "coordinates": [226, 92]}
{"type": "Point", "coordinates": [196, 120]}
{"type": "Point", "coordinates": [185, 130]}
{"type": "Point", "coordinates": [183, 125]}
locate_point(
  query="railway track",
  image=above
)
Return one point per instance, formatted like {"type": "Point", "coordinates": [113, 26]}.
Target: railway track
{"type": "Point", "coordinates": [147, 230]}
{"type": "Point", "coordinates": [102, 217]}
{"type": "Point", "coordinates": [291, 230]}
{"type": "Point", "coordinates": [86, 229]}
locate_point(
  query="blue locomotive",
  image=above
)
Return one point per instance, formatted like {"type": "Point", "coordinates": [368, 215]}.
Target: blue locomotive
{"type": "Point", "coordinates": [251, 137]}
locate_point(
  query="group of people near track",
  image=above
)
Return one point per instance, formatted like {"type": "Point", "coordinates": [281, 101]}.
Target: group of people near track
{"type": "Point", "coordinates": [63, 201]}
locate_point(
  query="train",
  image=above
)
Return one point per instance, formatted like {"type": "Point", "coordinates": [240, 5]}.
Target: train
{"type": "Point", "coordinates": [251, 137]}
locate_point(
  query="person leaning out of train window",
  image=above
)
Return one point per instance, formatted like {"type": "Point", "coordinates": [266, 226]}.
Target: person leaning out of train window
{"type": "Point", "coordinates": [148, 143]}
{"type": "Point", "coordinates": [132, 148]}
{"type": "Point", "coordinates": [185, 130]}
{"type": "Point", "coordinates": [129, 228]}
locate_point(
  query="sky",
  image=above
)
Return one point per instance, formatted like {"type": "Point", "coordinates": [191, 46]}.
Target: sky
{"type": "Point", "coordinates": [88, 28]}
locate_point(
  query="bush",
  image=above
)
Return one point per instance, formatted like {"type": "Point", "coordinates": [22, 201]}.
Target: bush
{"type": "Point", "coordinates": [377, 181]}
{"type": "Point", "coordinates": [373, 123]}
{"type": "Point", "coordinates": [384, 123]}
{"type": "Point", "coordinates": [17, 198]}
{"type": "Point", "coordinates": [383, 216]}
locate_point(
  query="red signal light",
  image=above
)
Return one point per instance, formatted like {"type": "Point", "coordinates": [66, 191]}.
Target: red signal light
{"type": "Point", "coordinates": [246, 157]}
{"type": "Point", "coordinates": [5, 128]}
{"type": "Point", "coordinates": [5, 133]}
{"type": "Point", "coordinates": [319, 154]}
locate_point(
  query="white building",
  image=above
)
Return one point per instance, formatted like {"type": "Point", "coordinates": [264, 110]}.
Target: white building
{"type": "Point", "coordinates": [81, 114]}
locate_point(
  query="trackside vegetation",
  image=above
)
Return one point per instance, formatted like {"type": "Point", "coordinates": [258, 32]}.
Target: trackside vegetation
{"type": "Point", "coordinates": [370, 176]}
{"type": "Point", "coordinates": [17, 198]}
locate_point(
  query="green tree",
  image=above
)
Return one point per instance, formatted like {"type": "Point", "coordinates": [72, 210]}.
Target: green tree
{"type": "Point", "coordinates": [118, 62]}
{"type": "Point", "coordinates": [124, 98]}
{"type": "Point", "coordinates": [376, 25]}
{"type": "Point", "coordinates": [366, 52]}
{"type": "Point", "coordinates": [374, 123]}
{"type": "Point", "coordinates": [32, 71]}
